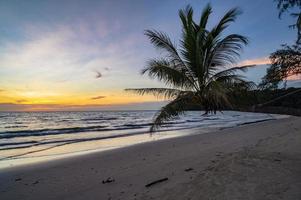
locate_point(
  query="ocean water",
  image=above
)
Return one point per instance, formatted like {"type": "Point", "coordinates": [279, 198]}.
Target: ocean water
{"type": "Point", "coordinates": [27, 137]}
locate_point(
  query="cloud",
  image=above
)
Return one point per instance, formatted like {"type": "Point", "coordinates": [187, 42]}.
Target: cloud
{"type": "Point", "coordinates": [44, 54]}
{"type": "Point", "coordinates": [256, 61]}
{"type": "Point", "coordinates": [60, 52]}
{"type": "Point", "coordinates": [155, 105]}
{"type": "Point", "coordinates": [21, 100]}
{"type": "Point", "coordinates": [98, 97]}
{"type": "Point", "coordinates": [60, 60]}
{"type": "Point", "coordinates": [1, 90]}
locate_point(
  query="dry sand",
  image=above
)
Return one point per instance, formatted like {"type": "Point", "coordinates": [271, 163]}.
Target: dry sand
{"type": "Point", "coordinates": [256, 161]}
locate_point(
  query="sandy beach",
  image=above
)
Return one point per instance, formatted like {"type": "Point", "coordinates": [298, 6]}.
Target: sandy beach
{"type": "Point", "coordinates": [254, 161]}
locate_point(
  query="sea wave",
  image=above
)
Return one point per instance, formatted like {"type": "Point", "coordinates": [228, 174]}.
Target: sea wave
{"type": "Point", "coordinates": [41, 132]}
{"type": "Point", "coordinates": [25, 130]}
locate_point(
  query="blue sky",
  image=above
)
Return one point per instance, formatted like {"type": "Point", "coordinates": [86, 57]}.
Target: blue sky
{"type": "Point", "coordinates": [51, 50]}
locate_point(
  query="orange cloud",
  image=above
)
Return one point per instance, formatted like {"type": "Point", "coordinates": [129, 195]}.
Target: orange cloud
{"type": "Point", "coordinates": [256, 61]}
{"type": "Point", "coordinates": [21, 100]}
{"type": "Point", "coordinates": [151, 105]}
{"type": "Point", "coordinates": [294, 77]}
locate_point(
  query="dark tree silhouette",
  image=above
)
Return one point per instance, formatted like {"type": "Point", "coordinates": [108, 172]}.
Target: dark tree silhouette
{"type": "Point", "coordinates": [286, 62]}
{"type": "Point", "coordinates": [287, 6]}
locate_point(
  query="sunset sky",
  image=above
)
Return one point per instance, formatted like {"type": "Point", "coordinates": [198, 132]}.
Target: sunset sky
{"type": "Point", "coordinates": [53, 52]}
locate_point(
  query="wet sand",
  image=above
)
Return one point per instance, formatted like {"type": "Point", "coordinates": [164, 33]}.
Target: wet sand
{"type": "Point", "coordinates": [254, 161]}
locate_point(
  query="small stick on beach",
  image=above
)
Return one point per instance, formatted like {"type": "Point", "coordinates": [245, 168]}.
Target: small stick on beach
{"type": "Point", "coordinates": [188, 169]}
{"type": "Point", "coordinates": [155, 182]}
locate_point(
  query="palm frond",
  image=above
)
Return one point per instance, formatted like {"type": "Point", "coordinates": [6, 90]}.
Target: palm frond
{"type": "Point", "coordinates": [186, 16]}
{"type": "Point", "coordinates": [162, 41]}
{"type": "Point", "coordinates": [234, 82]}
{"type": "Point", "coordinates": [230, 71]}
{"type": "Point", "coordinates": [205, 16]}
{"type": "Point", "coordinates": [188, 42]}
{"type": "Point", "coordinates": [172, 110]}
{"type": "Point", "coordinates": [229, 17]}
{"type": "Point", "coordinates": [164, 71]}
{"type": "Point", "coordinates": [166, 93]}
{"type": "Point", "coordinates": [215, 96]}
{"type": "Point", "coordinates": [227, 51]}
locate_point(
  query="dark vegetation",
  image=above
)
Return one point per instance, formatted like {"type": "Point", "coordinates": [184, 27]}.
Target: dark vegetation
{"type": "Point", "coordinates": [282, 101]}
{"type": "Point", "coordinates": [292, 7]}
{"type": "Point", "coordinates": [269, 98]}
{"type": "Point", "coordinates": [285, 63]}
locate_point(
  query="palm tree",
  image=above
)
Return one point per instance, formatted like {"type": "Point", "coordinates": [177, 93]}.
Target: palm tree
{"type": "Point", "coordinates": [200, 72]}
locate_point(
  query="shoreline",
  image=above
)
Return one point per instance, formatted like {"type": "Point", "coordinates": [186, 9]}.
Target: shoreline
{"type": "Point", "coordinates": [190, 163]}
{"type": "Point", "coordinates": [139, 137]}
